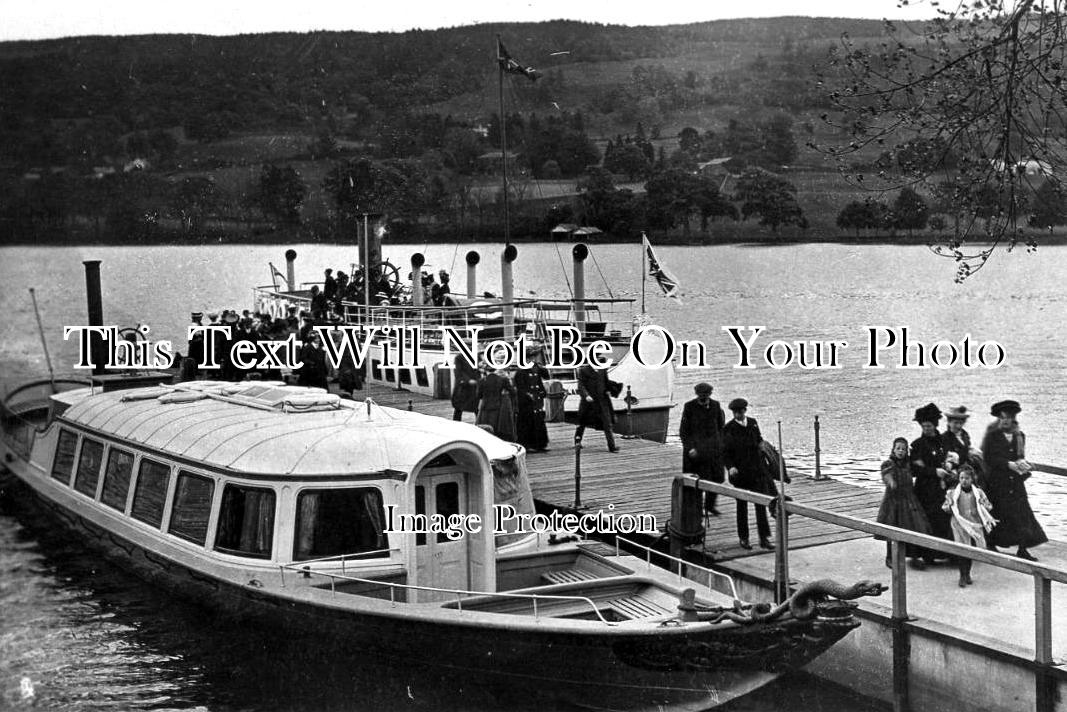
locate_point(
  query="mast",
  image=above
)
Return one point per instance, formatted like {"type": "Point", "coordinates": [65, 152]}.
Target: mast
{"type": "Point", "coordinates": [644, 272]}
{"type": "Point", "coordinates": [503, 141]}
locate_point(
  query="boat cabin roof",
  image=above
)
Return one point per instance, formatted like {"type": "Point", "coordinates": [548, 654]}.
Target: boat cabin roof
{"type": "Point", "coordinates": [273, 429]}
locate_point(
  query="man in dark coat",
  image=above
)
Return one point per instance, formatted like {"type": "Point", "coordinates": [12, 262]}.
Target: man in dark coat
{"type": "Point", "coordinates": [329, 285]}
{"type": "Point", "coordinates": [701, 434]}
{"type": "Point", "coordinates": [313, 358]}
{"type": "Point", "coordinates": [741, 439]}
{"type": "Point", "coordinates": [932, 480]}
{"type": "Point", "coordinates": [530, 395]}
{"type": "Point", "coordinates": [595, 409]}
{"type": "Point", "coordinates": [1004, 449]}
{"type": "Point", "coordinates": [465, 378]}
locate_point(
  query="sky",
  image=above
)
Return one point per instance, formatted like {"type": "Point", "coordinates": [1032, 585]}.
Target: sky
{"type": "Point", "coordinates": [42, 19]}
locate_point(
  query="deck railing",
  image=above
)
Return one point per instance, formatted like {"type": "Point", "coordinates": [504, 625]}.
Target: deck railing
{"type": "Point", "coordinates": [681, 564]}
{"type": "Point", "coordinates": [460, 594]}
{"type": "Point", "coordinates": [1043, 575]}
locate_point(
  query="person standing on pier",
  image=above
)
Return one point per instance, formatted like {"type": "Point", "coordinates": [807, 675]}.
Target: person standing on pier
{"type": "Point", "coordinates": [465, 379]}
{"type": "Point", "coordinates": [956, 439]}
{"type": "Point", "coordinates": [701, 434]}
{"type": "Point", "coordinates": [900, 507]}
{"type": "Point", "coordinates": [932, 479]}
{"type": "Point", "coordinates": [741, 454]}
{"type": "Point", "coordinates": [595, 410]}
{"type": "Point", "coordinates": [530, 401]}
{"type": "Point", "coordinates": [496, 397]}
{"type": "Point", "coordinates": [971, 519]}
{"type": "Point", "coordinates": [1004, 449]}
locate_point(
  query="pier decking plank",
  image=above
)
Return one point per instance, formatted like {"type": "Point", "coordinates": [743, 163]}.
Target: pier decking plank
{"type": "Point", "coordinates": [637, 481]}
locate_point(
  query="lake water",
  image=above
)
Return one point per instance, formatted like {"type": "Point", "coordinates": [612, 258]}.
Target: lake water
{"type": "Point", "coordinates": [88, 637]}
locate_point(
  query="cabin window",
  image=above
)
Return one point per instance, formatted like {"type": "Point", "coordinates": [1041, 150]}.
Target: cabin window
{"type": "Point", "coordinates": [117, 479]}
{"type": "Point", "coordinates": [64, 461]}
{"type": "Point", "coordinates": [92, 456]}
{"type": "Point", "coordinates": [336, 522]}
{"type": "Point", "coordinates": [192, 507]}
{"type": "Point", "coordinates": [150, 493]}
{"type": "Point", "coordinates": [421, 377]}
{"type": "Point", "coordinates": [246, 521]}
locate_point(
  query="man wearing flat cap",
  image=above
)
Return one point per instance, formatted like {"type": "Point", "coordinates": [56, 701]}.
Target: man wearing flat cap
{"type": "Point", "coordinates": [932, 479]}
{"type": "Point", "coordinates": [701, 434]}
{"type": "Point", "coordinates": [741, 440]}
{"type": "Point", "coordinates": [1004, 449]}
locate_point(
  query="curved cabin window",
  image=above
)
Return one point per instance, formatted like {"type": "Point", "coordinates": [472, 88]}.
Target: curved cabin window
{"type": "Point", "coordinates": [64, 462]}
{"type": "Point", "coordinates": [192, 507]}
{"type": "Point", "coordinates": [246, 521]}
{"type": "Point", "coordinates": [117, 479]}
{"type": "Point", "coordinates": [89, 461]}
{"type": "Point", "coordinates": [340, 522]}
{"type": "Point", "coordinates": [151, 491]}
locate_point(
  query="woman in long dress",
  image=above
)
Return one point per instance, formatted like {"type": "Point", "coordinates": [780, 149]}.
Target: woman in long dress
{"type": "Point", "coordinates": [496, 404]}
{"type": "Point", "coordinates": [900, 507]}
{"type": "Point", "coordinates": [530, 404]}
{"type": "Point", "coordinates": [1004, 450]}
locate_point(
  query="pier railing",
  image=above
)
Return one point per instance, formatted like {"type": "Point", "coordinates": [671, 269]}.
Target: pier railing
{"type": "Point", "coordinates": [1042, 574]}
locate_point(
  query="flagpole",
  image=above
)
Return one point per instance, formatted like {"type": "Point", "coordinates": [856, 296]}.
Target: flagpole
{"type": "Point", "coordinates": [644, 271]}
{"type": "Point", "coordinates": [503, 145]}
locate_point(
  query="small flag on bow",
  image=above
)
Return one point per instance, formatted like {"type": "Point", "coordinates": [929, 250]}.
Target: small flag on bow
{"type": "Point", "coordinates": [510, 66]}
{"type": "Point", "coordinates": [666, 281]}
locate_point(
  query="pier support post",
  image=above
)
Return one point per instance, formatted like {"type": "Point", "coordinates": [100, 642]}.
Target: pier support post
{"type": "Point", "coordinates": [508, 289]}
{"type": "Point", "coordinates": [781, 526]}
{"type": "Point", "coordinates": [1044, 685]}
{"type": "Point", "coordinates": [901, 639]}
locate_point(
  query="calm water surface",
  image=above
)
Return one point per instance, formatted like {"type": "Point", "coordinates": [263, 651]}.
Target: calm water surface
{"type": "Point", "coordinates": [88, 637]}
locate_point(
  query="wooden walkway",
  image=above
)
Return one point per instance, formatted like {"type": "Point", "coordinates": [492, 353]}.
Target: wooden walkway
{"type": "Point", "coordinates": [637, 480]}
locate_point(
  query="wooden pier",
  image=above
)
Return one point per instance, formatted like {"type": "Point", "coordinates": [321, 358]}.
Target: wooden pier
{"type": "Point", "coordinates": [998, 645]}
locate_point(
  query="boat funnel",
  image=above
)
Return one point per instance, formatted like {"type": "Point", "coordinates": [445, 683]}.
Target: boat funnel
{"type": "Point", "coordinates": [472, 274]}
{"type": "Point", "coordinates": [290, 269]}
{"type": "Point", "coordinates": [417, 261]}
{"type": "Point", "coordinates": [508, 289]}
{"type": "Point", "coordinates": [95, 303]}
{"type": "Point", "coordinates": [579, 252]}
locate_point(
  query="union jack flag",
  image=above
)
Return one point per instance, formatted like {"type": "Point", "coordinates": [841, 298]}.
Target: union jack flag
{"type": "Point", "coordinates": [666, 281]}
{"type": "Point", "coordinates": [511, 66]}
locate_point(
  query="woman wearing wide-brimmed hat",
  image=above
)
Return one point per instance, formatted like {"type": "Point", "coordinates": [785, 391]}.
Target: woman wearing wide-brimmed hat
{"type": "Point", "coordinates": [1004, 449]}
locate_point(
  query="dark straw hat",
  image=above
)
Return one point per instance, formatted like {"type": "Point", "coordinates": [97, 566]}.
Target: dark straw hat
{"type": "Point", "coordinates": [929, 413]}
{"type": "Point", "coordinates": [1009, 407]}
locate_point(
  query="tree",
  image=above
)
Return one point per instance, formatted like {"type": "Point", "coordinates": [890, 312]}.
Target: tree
{"type": "Point", "coordinates": [773, 198]}
{"type": "Point", "coordinates": [1050, 207]}
{"type": "Point", "coordinates": [910, 211]}
{"type": "Point", "coordinates": [629, 159]}
{"type": "Point", "coordinates": [195, 197]}
{"type": "Point", "coordinates": [281, 193]}
{"type": "Point", "coordinates": [983, 82]}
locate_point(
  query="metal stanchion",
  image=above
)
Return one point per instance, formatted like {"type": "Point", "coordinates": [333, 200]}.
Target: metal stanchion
{"type": "Point", "coordinates": [819, 476]}
{"type": "Point", "coordinates": [630, 434]}
{"type": "Point", "coordinates": [577, 473]}
{"type": "Point", "coordinates": [781, 556]}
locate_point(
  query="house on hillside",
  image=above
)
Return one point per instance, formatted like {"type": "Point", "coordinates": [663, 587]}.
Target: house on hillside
{"type": "Point", "coordinates": [1029, 166]}
{"type": "Point", "coordinates": [491, 161]}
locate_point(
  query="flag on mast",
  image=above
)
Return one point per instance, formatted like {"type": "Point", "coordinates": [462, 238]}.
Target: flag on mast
{"type": "Point", "coordinates": [666, 281]}
{"type": "Point", "coordinates": [511, 66]}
